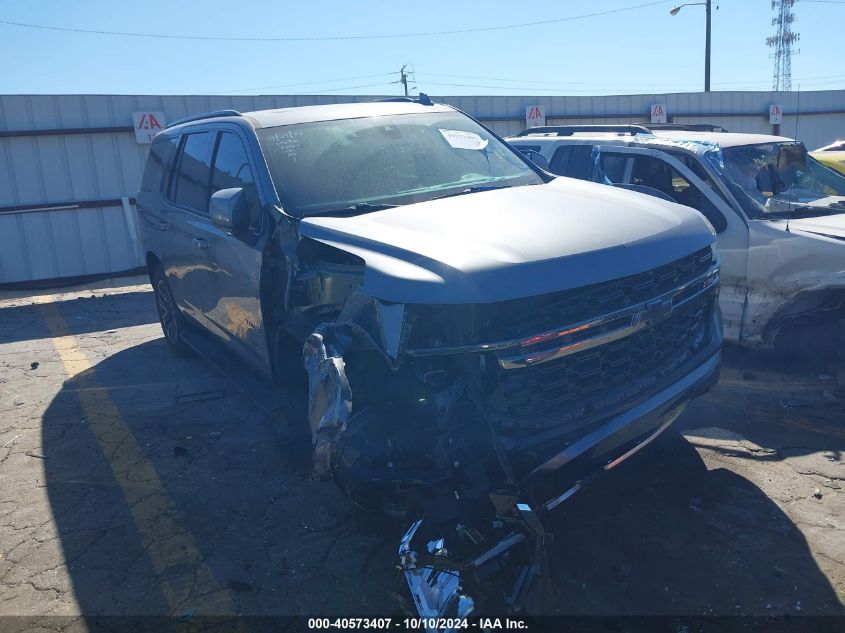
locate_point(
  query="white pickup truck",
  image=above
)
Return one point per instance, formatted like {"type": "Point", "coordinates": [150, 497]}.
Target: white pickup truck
{"type": "Point", "coordinates": [779, 216]}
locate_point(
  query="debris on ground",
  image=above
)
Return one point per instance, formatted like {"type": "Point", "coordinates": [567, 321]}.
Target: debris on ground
{"type": "Point", "coordinates": [12, 441]}
{"type": "Point", "coordinates": [200, 396]}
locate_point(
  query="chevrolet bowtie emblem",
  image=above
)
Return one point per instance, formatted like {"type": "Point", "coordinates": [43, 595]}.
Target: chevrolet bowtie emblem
{"type": "Point", "coordinates": [654, 311]}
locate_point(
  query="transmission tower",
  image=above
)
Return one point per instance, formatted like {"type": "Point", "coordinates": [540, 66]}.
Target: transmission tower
{"type": "Point", "coordinates": [782, 42]}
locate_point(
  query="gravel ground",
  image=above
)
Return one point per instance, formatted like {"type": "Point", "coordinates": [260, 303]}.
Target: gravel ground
{"type": "Point", "coordinates": [133, 482]}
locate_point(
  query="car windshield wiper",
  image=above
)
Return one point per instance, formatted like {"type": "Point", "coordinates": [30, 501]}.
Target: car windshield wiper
{"type": "Point", "coordinates": [472, 189]}
{"type": "Point", "coordinates": [353, 209]}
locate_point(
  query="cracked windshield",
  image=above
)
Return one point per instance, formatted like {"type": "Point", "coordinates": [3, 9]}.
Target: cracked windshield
{"type": "Point", "coordinates": [773, 179]}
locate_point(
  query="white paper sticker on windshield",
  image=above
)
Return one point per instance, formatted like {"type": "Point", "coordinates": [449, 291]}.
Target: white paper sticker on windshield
{"type": "Point", "coordinates": [463, 140]}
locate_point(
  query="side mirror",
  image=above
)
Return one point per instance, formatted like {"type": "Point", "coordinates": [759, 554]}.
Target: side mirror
{"type": "Point", "coordinates": [228, 209]}
{"type": "Point", "coordinates": [537, 158]}
{"type": "Point", "coordinates": [768, 182]}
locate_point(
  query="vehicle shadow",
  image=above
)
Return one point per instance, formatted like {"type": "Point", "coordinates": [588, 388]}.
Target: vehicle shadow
{"type": "Point", "coordinates": [663, 535]}
{"type": "Point", "coordinates": [784, 405]}
{"type": "Point", "coordinates": [82, 315]}
{"type": "Point", "coordinates": [174, 495]}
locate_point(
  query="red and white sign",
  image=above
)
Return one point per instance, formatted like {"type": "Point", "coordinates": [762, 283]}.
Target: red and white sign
{"type": "Point", "coordinates": [535, 115]}
{"type": "Point", "coordinates": [775, 114]}
{"type": "Point", "coordinates": [658, 113]}
{"type": "Point", "coordinates": [147, 125]}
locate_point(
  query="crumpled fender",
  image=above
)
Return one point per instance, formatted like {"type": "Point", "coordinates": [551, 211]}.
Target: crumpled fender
{"type": "Point", "coordinates": [785, 267]}
{"type": "Point", "coordinates": [329, 396]}
{"type": "Point", "coordinates": [766, 307]}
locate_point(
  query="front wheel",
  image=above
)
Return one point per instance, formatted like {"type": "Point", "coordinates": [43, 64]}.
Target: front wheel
{"type": "Point", "coordinates": [172, 321]}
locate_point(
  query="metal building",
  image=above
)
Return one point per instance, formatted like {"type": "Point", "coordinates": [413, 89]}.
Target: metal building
{"type": "Point", "coordinates": [70, 164]}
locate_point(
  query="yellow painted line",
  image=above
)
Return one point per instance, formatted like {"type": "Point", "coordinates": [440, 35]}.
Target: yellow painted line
{"type": "Point", "coordinates": [167, 542]}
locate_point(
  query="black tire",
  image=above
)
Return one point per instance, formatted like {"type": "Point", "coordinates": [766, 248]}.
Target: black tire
{"type": "Point", "coordinates": [173, 323]}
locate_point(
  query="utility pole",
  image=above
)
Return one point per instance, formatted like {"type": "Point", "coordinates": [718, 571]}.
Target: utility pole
{"type": "Point", "coordinates": [403, 79]}
{"type": "Point", "coordinates": [706, 36]}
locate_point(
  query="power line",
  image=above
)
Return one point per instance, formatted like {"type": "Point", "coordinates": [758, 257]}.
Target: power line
{"type": "Point", "coordinates": [384, 83]}
{"type": "Point", "coordinates": [311, 83]}
{"type": "Point", "coordinates": [564, 89]}
{"type": "Point", "coordinates": [521, 82]}
{"type": "Point", "coordinates": [326, 38]}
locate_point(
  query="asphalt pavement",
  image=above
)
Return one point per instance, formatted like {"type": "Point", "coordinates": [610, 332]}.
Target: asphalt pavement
{"type": "Point", "coordinates": [134, 482]}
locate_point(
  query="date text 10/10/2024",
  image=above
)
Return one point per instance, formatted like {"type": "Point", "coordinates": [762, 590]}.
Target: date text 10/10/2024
{"type": "Point", "coordinates": [422, 624]}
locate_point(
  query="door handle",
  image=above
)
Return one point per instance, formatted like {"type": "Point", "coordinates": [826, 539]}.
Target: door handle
{"type": "Point", "coordinates": [162, 226]}
{"type": "Point", "coordinates": [200, 243]}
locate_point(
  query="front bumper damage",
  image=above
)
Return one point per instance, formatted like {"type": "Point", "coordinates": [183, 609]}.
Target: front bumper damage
{"type": "Point", "coordinates": [411, 432]}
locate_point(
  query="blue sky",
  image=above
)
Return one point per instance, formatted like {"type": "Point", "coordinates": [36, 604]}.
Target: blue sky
{"type": "Point", "coordinates": [641, 50]}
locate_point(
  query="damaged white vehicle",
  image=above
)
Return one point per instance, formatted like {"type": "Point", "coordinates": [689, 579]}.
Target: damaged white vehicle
{"type": "Point", "coordinates": [779, 215]}
{"type": "Point", "coordinates": [480, 338]}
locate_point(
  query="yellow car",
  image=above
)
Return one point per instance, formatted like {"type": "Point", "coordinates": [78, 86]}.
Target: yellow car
{"type": "Point", "coordinates": [832, 156]}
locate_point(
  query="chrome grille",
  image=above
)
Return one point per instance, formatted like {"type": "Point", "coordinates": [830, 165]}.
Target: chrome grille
{"type": "Point", "coordinates": [537, 314]}
{"type": "Point", "coordinates": [577, 388]}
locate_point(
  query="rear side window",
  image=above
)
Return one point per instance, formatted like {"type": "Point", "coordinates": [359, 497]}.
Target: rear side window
{"type": "Point", "coordinates": [158, 162]}
{"type": "Point", "coordinates": [231, 169]}
{"type": "Point", "coordinates": [190, 188]}
{"type": "Point", "coordinates": [560, 160]}
{"type": "Point", "coordinates": [574, 161]}
{"type": "Point", "coordinates": [580, 162]}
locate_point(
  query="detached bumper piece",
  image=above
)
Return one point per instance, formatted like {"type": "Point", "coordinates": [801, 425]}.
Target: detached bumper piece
{"type": "Point", "coordinates": [455, 571]}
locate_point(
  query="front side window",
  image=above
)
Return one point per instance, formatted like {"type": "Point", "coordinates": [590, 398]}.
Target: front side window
{"type": "Point", "coordinates": [190, 187]}
{"type": "Point", "coordinates": [656, 174]}
{"type": "Point", "coordinates": [231, 170]}
{"type": "Point", "coordinates": [781, 179]}
{"type": "Point", "coordinates": [366, 163]}
{"type": "Point", "coordinates": [613, 167]}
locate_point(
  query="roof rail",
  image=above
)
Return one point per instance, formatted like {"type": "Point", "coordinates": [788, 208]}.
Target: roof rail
{"type": "Point", "coordinates": [208, 115]}
{"type": "Point", "coordinates": [422, 99]}
{"type": "Point", "coordinates": [687, 127]}
{"type": "Point", "coordinates": [569, 130]}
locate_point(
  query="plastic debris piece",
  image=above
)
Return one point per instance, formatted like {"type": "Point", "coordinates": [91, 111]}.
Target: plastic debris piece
{"type": "Point", "coordinates": [239, 587]}
{"type": "Point", "coordinates": [200, 396]}
{"type": "Point", "coordinates": [12, 441]}
{"type": "Point", "coordinates": [33, 365]}
{"type": "Point", "coordinates": [817, 493]}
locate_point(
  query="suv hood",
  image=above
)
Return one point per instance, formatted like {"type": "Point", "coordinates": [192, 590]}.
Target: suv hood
{"type": "Point", "coordinates": [830, 225]}
{"type": "Point", "coordinates": [504, 244]}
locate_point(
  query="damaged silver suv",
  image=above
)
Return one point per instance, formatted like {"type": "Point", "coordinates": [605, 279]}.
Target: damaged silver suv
{"type": "Point", "coordinates": [479, 337]}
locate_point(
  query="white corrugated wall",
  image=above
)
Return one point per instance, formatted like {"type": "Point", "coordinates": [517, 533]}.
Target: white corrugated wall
{"type": "Point", "coordinates": [43, 170]}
